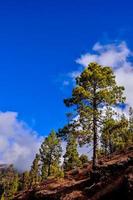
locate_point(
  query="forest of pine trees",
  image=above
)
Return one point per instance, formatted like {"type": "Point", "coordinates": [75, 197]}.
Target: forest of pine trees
{"type": "Point", "coordinates": [94, 121]}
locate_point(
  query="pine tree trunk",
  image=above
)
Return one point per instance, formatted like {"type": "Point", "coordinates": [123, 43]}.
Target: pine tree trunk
{"type": "Point", "coordinates": [94, 129]}
{"type": "Point", "coordinates": [94, 143]}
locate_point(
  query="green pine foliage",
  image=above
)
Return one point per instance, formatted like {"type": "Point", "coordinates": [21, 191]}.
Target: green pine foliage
{"type": "Point", "coordinates": [130, 130]}
{"type": "Point", "coordinates": [95, 88]}
{"type": "Point", "coordinates": [13, 187]}
{"type": "Point", "coordinates": [109, 126]}
{"type": "Point", "coordinates": [9, 179]}
{"type": "Point", "coordinates": [84, 159]}
{"type": "Point", "coordinates": [71, 157]}
{"type": "Point", "coordinates": [50, 154]}
{"type": "Point", "coordinates": [115, 135]}
{"type": "Point", "coordinates": [25, 180]}
{"type": "Point", "coordinates": [34, 172]}
{"type": "Point", "coordinates": [120, 134]}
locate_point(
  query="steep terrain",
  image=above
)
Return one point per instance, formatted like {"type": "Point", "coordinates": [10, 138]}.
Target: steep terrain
{"type": "Point", "coordinates": [113, 179]}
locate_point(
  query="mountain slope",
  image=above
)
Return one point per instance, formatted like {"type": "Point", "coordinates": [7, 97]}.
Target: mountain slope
{"type": "Point", "coordinates": [113, 179]}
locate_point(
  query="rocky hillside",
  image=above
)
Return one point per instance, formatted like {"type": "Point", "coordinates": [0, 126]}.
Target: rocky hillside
{"type": "Point", "coordinates": [113, 179]}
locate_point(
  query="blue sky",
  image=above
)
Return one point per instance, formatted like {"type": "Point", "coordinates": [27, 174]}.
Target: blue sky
{"type": "Point", "coordinates": [39, 43]}
{"type": "Point", "coordinates": [43, 46]}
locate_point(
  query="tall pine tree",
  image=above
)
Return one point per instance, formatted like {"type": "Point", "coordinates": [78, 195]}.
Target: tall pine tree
{"type": "Point", "coordinates": [95, 87]}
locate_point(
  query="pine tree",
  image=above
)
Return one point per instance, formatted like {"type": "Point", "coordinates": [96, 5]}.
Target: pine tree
{"type": "Point", "coordinates": [25, 180]}
{"type": "Point", "coordinates": [50, 154]}
{"type": "Point", "coordinates": [95, 88]}
{"type": "Point", "coordinates": [120, 136]}
{"type": "Point", "coordinates": [15, 183]}
{"type": "Point", "coordinates": [114, 132]}
{"type": "Point", "coordinates": [71, 157]}
{"type": "Point", "coordinates": [107, 130]}
{"type": "Point", "coordinates": [34, 172]}
{"type": "Point", "coordinates": [130, 130]}
{"type": "Point", "coordinates": [10, 182]}
{"type": "Point", "coordinates": [13, 187]}
{"type": "Point", "coordinates": [84, 159]}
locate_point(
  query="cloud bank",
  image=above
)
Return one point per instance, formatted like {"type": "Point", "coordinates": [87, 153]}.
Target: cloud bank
{"type": "Point", "coordinates": [116, 55]}
{"type": "Point", "coordinates": [18, 143]}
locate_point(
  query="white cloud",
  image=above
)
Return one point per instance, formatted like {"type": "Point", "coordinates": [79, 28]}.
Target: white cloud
{"type": "Point", "coordinates": [113, 55]}
{"type": "Point", "coordinates": [18, 143]}
{"type": "Point", "coordinates": [116, 56]}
